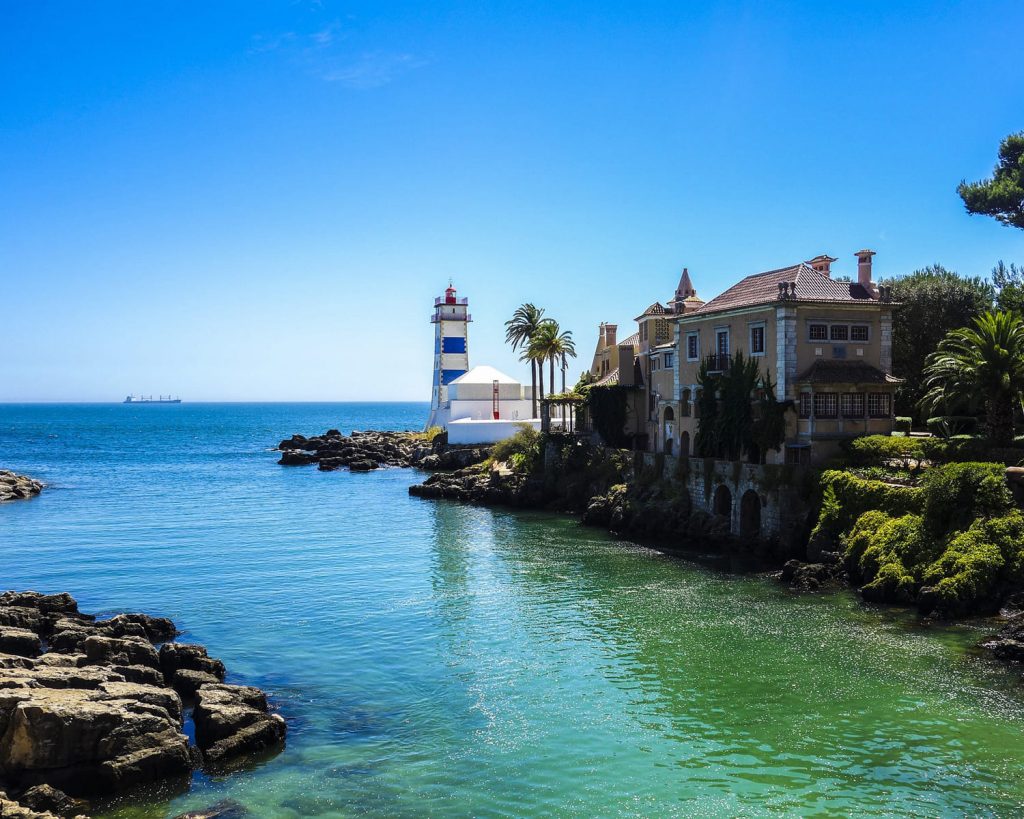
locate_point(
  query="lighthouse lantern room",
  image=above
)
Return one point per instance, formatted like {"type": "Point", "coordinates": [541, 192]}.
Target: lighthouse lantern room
{"type": "Point", "coordinates": [451, 350]}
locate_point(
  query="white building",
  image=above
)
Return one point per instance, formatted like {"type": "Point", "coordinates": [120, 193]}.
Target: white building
{"type": "Point", "coordinates": [485, 406]}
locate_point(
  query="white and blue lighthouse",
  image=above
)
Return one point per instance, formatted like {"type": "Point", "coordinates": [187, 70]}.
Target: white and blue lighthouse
{"type": "Point", "coordinates": [451, 350]}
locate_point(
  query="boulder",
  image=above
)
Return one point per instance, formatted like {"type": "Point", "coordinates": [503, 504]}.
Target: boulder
{"type": "Point", "coordinates": [157, 629]}
{"type": "Point", "coordinates": [186, 681]}
{"type": "Point", "coordinates": [119, 651]}
{"type": "Point", "coordinates": [16, 661]}
{"type": "Point", "coordinates": [22, 617]}
{"type": "Point", "coordinates": [19, 641]}
{"type": "Point", "coordinates": [177, 656]}
{"type": "Point", "coordinates": [363, 465]}
{"type": "Point", "coordinates": [44, 799]}
{"type": "Point", "coordinates": [9, 809]}
{"type": "Point", "coordinates": [232, 720]}
{"type": "Point", "coordinates": [88, 741]}
{"type": "Point", "coordinates": [63, 603]}
{"type": "Point", "coordinates": [296, 457]}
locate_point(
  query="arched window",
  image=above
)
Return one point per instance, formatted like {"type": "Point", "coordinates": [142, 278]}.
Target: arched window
{"type": "Point", "coordinates": [684, 404]}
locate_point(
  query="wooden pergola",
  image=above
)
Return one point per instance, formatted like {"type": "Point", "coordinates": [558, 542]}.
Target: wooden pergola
{"type": "Point", "coordinates": [564, 416]}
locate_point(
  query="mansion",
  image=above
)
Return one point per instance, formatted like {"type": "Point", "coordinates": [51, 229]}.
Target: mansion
{"type": "Point", "coordinates": [823, 343]}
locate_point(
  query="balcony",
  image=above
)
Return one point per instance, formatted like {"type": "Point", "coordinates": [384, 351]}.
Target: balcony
{"type": "Point", "coordinates": [435, 318]}
{"type": "Point", "coordinates": [718, 363]}
{"type": "Point", "coordinates": [441, 300]}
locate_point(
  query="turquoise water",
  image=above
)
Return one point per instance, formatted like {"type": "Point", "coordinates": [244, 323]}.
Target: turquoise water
{"type": "Point", "coordinates": [445, 660]}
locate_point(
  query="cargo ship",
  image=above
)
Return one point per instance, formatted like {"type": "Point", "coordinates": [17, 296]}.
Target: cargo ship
{"type": "Point", "coordinates": [160, 399]}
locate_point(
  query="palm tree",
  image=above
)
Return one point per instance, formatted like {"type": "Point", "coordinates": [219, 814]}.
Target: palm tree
{"type": "Point", "coordinates": [566, 350]}
{"type": "Point", "coordinates": [542, 348]}
{"type": "Point", "coordinates": [985, 360]}
{"type": "Point", "coordinates": [519, 331]}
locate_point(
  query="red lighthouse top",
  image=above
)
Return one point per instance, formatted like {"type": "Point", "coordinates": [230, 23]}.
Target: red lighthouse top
{"type": "Point", "coordinates": [449, 295]}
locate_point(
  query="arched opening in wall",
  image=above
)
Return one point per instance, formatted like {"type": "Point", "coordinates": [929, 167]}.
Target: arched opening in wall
{"type": "Point", "coordinates": [750, 515]}
{"type": "Point", "coordinates": [723, 503]}
{"type": "Point", "coordinates": [668, 418]}
{"type": "Point", "coordinates": [684, 404]}
{"type": "Point", "coordinates": [684, 445]}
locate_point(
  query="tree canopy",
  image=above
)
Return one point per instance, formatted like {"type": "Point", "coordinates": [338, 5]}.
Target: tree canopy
{"type": "Point", "coordinates": [984, 360]}
{"type": "Point", "coordinates": [932, 302]}
{"type": "Point", "coordinates": [1002, 196]}
{"type": "Point", "coordinates": [1009, 284]}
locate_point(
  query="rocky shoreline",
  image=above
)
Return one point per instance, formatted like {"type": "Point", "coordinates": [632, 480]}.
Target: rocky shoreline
{"type": "Point", "coordinates": [369, 450]}
{"type": "Point", "coordinates": [17, 487]}
{"type": "Point", "coordinates": [89, 708]}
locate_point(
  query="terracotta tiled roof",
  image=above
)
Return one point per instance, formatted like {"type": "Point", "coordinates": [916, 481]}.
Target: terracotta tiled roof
{"type": "Point", "coordinates": [632, 341]}
{"type": "Point", "coordinates": [656, 309]}
{"type": "Point", "coordinates": [763, 288]}
{"type": "Point", "coordinates": [609, 379]}
{"type": "Point", "coordinates": [845, 372]}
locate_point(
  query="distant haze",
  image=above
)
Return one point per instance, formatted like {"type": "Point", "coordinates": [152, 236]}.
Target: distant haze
{"type": "Point", "coordinates": [237, 201]}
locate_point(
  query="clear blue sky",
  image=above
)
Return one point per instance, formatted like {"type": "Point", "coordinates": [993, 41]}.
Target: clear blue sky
{"type": "Point", "coordinates": [259, 201]}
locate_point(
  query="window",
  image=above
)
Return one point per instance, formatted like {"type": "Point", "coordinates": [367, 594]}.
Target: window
{"type": "Point", "coordinates": [805, 405]}
{"type": "Point", "coordinates": [757, 340]}
{"type": "Point", "coordinates": [643, 331]}
{"type": "Point", "coordinates": [859, 332]}
{"type": "Point", "coordinates": [722, 342]}
{"type": "Point", "coordinates": [826, 405]}
{"type": "Point", "coordinates": [668, 361]}
{"type": "Point", "coordinates": [879, 405]}
{"type": "Point", "coordinates": [684, 404]}
{"type": "Point", "coordinates": [840, 332]}
{"type": "Point", "coordinates": [839, 352]}
{"type": "Point", "coordinates": [692, 348]}
{"type": "Point", "coordinates": [818, 332]}
{"type": "Point", "coordinates": [853, 405]}
{"type": "Point", "coordinates": [654, 363]}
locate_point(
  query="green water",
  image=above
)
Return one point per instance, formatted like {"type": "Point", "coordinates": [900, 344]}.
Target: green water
{"type": "Point", "coordinates": [445, 660]}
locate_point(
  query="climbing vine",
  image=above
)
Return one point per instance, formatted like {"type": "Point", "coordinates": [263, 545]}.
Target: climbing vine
{"type": "Point", "coordinates": [608, 411]}
{"type": "Point", "coordinates": [738, 412]}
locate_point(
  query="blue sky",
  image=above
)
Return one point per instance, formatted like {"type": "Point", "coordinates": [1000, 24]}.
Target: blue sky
{"type": "Point", "coordinates": [257, 201]}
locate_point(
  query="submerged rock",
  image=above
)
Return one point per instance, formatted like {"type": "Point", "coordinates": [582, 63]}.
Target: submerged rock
{"type": "Point", "coordinates": [45, 799]}
{"type": "Point", "coordinates": [1008, 644]}
{"type": "Point", "coordinates": [225, 809]}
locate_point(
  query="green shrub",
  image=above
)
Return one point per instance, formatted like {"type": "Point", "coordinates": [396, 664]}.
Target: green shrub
{"type": "Point", "coordinates": [946, 426]}
{"type": "Point", "coordinates": [956, 494]}
{"type": "Point", "coordinates": [846, 497]}
{"type": "Point", "coordinates": [876, 450]}
{"type": "Point", "coordinates": [968, 575]}
{"type": "Point", "coordinates": [903, 423]}
{"type": "Point", "coordinates": [521, 452]}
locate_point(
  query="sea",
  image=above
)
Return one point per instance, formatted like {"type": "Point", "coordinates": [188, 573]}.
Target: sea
{"type": "Point", "coordinates": [439, 659]}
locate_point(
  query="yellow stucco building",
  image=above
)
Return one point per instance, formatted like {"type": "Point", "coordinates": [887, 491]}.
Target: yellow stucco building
{"type": "Point", "coordinates": [825, 343]}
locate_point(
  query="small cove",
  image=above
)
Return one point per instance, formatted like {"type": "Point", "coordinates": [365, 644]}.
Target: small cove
{"type": "Point", "coordinates": [445, 659]}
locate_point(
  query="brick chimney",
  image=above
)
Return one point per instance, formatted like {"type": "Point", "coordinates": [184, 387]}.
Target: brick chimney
{"type": "Point", "coordinates": [610, 331]}
{"type": "Point", "coordinates": [864, 271]}
{"type": "Point", "coordinates": [822, 263]}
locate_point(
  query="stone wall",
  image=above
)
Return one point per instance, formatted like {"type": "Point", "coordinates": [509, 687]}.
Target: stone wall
{"type": "Point", "coordinates": [760, 501]}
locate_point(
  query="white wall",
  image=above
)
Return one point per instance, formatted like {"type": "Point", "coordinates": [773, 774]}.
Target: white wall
{"type": "Point", "coordinates": [485, 432]}
{"type": "Point", "coordinates": [483, 410]}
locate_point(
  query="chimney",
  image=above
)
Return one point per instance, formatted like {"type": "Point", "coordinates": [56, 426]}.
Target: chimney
{"type": "Point", "coordinates": [822, 263]}
{"type": "Point", "coordinates": [864, 271]}
{"type": "Point", "coordinates": [609, 334]}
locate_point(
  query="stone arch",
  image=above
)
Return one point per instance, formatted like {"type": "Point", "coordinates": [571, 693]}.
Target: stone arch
{"type": "Point", "coordinates": [750, 515]}
{"type": "Point", "coordinates": [723, 503]}
{"type": "Point", "coordinates": [668, 417]}
{"type": "Point", "coordinates": [684, 445]}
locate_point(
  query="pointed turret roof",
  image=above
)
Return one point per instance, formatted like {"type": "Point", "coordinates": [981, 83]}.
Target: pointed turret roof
{"type": "Point", "coordinates": [685, 288]}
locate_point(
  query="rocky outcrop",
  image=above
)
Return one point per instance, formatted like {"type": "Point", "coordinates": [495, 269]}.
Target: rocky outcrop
{"type": "Point", "coordinates": [1008, 644]}
{"type": "Point", "coordinates": [17, 487]}
{"type": "Point", "coordinates": [829, 572]}
{"type": "Point", "coordinates": [233, 719]}
{"type": "Point", "coordinates": [89, 707]}
{"type": "Point", "coordinates": [366, 451]}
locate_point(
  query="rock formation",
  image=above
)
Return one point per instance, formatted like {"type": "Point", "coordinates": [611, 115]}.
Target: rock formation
{"type": "Point", "coordinates": [89, 707]}
{"type": "Point", "coordinates": [17, 487]}
{"type": "Point", "coordinates": [366, 451]}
